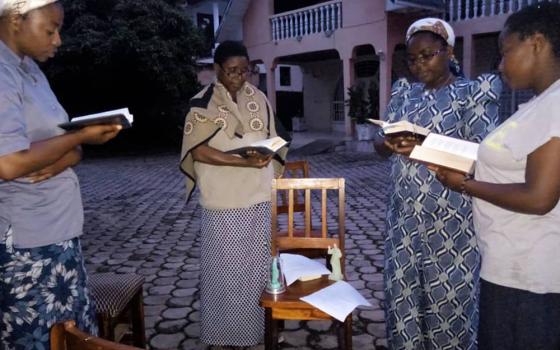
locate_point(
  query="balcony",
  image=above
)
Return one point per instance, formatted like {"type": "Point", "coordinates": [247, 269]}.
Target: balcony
{"type": "Point", "coordinates": [463, 10]}
{"type": "Point", "coordinates": [323, 18]}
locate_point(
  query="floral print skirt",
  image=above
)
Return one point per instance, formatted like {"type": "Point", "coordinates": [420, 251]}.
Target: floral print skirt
{"type": "Point", "coordinates": [40, 287]}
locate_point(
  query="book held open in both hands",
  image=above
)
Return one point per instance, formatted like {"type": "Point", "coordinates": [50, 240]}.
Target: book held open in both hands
{"type": "Point", "coordinates": [447, 152]}
{"type": "Point", "coordinates": [120, 116]}
{"type": "Point", "coordinates": [264, 147]}
{"type": "Point", "coordinates": [401, 128]}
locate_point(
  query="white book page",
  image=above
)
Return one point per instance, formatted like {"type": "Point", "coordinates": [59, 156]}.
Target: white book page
{"type": "Point", "coordinates": [274, 143]}
{"type": "Point", "coordinates": [337, 300]}
{"type": "Point", "coordinates": [451, 145]}
{"type": "Point", "coordinates": [121, 111]}
{"type": "Point", "coordinates": [295, 266]}
{"type": "Point", "coordinates": [377, 122]}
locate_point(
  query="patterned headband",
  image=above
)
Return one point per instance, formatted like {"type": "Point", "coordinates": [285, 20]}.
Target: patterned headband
{"type": "Point", "coordinates": [22, 6]}
{"type": "Point", "coordinates": [434, 25]}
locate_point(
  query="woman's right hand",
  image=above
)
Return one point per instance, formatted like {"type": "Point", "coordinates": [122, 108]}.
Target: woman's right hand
{"type": "Point", "coordinates": [401, 144]}
{"type": "Point", "coordinates": [99, 134]}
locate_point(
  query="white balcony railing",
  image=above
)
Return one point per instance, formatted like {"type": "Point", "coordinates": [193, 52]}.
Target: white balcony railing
{"type": "Point", "coordinates": [461, 10]}
{"type": "Point", "coordinates": [323, 18]}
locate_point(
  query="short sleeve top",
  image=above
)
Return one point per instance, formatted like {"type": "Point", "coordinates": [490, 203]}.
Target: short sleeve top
{"type": "Point", "coordinates": [519, 250]}
{"type": "Point", "coordinates": [49, 211]}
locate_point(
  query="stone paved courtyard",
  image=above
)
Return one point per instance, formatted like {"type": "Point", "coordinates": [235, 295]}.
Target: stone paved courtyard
{"type": "Point", "coordinates": [137, 221]}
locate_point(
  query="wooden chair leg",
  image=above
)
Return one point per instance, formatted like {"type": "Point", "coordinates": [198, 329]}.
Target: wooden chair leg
{"type": "Point", "coordinates": [106, 326]}
{"type": "Point", "coordinates": [348, 332]}
{"type": "Point", "coordinates": [137, 315]}
{"type": "Point", "coordinates": [271, 331]}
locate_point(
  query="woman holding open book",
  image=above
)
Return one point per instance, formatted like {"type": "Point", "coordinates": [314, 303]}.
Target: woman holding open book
{"type": "Point", "coordinates": [42, 274]}
{"type": "Point", "coordinates": [516, 191]}
{"type": "Point", "coordinates": [431, 255]}
{"type": "Point", "coordinates": [235, 198]}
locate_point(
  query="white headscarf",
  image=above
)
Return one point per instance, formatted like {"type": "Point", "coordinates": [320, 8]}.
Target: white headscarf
{"type": "Point", "coordinates": [22, 6]}
{"type": "Point", "coordinates": [434, 25]}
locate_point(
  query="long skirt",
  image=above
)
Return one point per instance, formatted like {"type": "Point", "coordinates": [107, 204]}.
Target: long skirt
{"type": "Point", "coordinates": [40, 287]}
{"type": "Point", "coordinates": [235, 253]}
{"type": "Point", "coordinates": [515, 319]}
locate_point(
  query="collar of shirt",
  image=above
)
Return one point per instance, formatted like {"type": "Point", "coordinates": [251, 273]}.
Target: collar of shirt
{"type": "Point", "coordinates": [7, 56]}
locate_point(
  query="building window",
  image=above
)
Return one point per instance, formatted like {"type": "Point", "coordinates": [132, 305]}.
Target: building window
{"type": "Point", "coordinates": [285, 76]}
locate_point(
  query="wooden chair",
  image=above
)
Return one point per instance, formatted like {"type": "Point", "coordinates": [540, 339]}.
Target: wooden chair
{"type": "Point", "coordinates": [66, 336]}
{"type": "Point", "coordinates": [293, 169]}
{"type": "Point", "coordinates": [288, 306]}
{"type": "Point", "coordinates": [119, 297]}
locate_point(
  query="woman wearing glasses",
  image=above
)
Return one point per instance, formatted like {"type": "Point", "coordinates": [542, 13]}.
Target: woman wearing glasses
{"type": "Point", "coordinates": [431, 255]}
{"type": "Point", "coordinates": [235, 198]}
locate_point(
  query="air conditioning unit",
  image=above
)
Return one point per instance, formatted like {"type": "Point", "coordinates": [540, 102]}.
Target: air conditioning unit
{"type": "Point", "coordinates": [415, 5]}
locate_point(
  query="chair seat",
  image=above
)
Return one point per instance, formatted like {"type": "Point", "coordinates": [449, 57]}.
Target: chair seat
{"type": "Point", "coordinates": [112, 291]}
{"type": "Point", "coordinates": [291, 298]}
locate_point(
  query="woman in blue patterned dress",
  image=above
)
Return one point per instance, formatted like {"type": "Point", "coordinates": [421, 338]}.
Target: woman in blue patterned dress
{"type": "Point", "coordinates": [42, 274]}
{"type": "Point", "coordinates": [431, 255]}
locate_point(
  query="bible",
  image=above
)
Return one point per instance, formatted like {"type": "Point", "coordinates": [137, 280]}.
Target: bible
{"type": "Point", "coordinates": [447, 152]}
{"type": "Point", "coordinates": [400, 128]}
{"type": "Point", "coordinates": [118, 116]}
{"type": "Point", "coordinates": [264, 147]}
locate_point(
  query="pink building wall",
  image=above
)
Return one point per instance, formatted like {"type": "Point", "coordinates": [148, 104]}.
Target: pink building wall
{"type": "Point", "coordinates": [363, 22]}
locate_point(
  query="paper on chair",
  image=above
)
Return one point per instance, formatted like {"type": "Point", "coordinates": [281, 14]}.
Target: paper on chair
{"type": "Point", "coordinates": [338, 300]}
{"type": "Point", "coordinates": [295, 266]}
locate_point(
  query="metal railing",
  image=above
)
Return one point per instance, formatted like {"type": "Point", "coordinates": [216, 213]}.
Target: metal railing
{"type": "Point", "coordinates": [461, 10]}
{"type": "Point", "coordinates": [337, 111]}
{"type": "Point", "coordinates": [323, 18]}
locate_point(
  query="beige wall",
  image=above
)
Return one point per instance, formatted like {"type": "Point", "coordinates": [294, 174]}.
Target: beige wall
{"type": "Point", "coordinates": [319, 80]}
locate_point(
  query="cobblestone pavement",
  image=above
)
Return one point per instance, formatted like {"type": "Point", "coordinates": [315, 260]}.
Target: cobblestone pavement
{"type": "Point", "coordinates": [137, 221]}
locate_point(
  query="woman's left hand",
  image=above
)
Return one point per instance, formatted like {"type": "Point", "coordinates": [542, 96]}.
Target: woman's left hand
{"type": "Point", "coordinates": [449, 178]}
{"type": "Point", "coordinates": [70, 159]}
{"type": "Point", "coordinates": [43, 174]}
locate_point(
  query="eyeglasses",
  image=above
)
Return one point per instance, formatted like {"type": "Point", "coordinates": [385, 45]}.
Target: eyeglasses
{"type": "Point", "coordinates": [233, 72]}
{"type": "Point", "coordinates": [424, 57]}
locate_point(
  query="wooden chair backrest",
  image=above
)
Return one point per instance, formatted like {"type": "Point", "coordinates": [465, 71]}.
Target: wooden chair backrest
{"type": "Point", "coordinates": [66, 336]}
{"type": "Point", "coordinates": [292, 170]}
{"type": "Point", "coordinates": [308, 239]}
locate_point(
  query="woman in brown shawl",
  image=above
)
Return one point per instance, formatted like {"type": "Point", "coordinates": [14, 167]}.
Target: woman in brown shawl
{"type": "Point", "coordinates": [235, 198]}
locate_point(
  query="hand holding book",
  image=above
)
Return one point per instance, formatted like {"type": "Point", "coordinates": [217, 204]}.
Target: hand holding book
{"type": "Point", "coordinates": [402, 144]}
{"type": "Point", "coordinates": [263, 147]}
{"type": "Point", "coordinates": [120, 116]}
{"type": "Point", "coordinates": [447, 152]}
{"type": "Point", "coordinates": [453, 179]}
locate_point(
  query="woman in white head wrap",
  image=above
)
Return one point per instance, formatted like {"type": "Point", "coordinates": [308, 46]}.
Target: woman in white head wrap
{"type": "Point", "coordinates": [431, 256]}
{"type": "Point", "coordinates": [42, 274]}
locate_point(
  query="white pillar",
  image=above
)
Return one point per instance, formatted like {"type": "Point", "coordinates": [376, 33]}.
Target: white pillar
{"type": "Point", "coordinates": [271, 82]}
{"type": "Point", "coordinates": [468, 52]}
{"type": "Point", "coordinates": [216, 15]}
{"type": "Point", "coordinates": [348, 79]}
{"type": "Point", "coordinates": [385, 70]}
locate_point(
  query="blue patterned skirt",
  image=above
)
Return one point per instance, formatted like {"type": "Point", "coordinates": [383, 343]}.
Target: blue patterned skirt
{"type": "Point", "coordinates": [40, 287]}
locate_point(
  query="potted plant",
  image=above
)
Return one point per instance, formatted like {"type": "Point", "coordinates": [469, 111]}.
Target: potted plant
{"type": "Point", "coordinates": [359, 111]}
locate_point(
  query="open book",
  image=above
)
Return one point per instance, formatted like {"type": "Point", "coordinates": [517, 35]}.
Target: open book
{"type": "Point", "coordinates": [265, 147]}
{"type": "Point", "coordinates": [118, 116]}
{"type": "Point", "coordinates": [400, 128]}
{"type": "Point", "coordinates": [447, 152]}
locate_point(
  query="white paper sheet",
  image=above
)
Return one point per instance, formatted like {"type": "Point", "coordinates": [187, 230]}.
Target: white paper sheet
{"type": "Point", "coordinates": [337, 300]}
{"type": "Point", "coordinates": [295, 266]}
